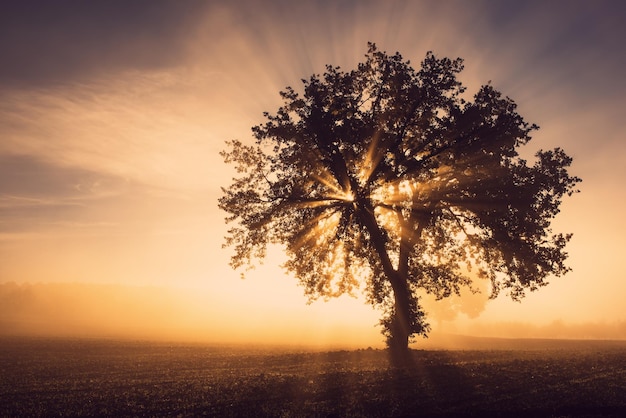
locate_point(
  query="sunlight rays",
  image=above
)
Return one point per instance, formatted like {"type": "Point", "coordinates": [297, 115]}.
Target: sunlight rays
{"type": "Point", "coordinates": [335, 271]}
{"type": "Point", "coordinates": [371, 159]}
{"type": "Point", "coordinates": [337, 192]}
{"type": "Point", "coordinates": [317, 230]}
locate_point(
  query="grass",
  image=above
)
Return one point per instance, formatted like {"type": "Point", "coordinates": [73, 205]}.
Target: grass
{"type": "Point", "coordinates": [73, 377]}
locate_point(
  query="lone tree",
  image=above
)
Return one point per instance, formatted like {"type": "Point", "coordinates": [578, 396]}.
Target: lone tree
{"type": "Point", "coordinates": [386, 177]}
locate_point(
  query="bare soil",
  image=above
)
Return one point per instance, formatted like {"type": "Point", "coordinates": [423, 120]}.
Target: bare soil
{"type": "Point", "coordinates": [79, 377]}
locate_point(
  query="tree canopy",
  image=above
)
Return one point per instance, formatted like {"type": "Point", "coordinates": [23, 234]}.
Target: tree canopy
{"type": "Point", "coordinates": [390, 179]}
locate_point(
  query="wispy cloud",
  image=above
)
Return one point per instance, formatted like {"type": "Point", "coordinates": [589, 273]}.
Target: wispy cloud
{"type": "Point", "coordinates": [43, 42]}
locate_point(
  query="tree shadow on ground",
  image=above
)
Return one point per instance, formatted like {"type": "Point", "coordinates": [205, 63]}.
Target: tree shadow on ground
{"type": "Point", "coordinates": [367, 385]}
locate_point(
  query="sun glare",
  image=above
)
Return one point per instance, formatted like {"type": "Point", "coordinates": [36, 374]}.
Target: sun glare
{"type": "Point", "coordinates": [348, 197]}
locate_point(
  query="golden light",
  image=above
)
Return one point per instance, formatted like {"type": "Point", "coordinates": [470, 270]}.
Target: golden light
{"type": "Point", "coordinates": [150, 136]}
{"type": "Point", "coordinates": [348, 197]}
{"type": "Point", "coordinates": [318, 229]}
{"type": "Point", "coordinates": [370, 160]}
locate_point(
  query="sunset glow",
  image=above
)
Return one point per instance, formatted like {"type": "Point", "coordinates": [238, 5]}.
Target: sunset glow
{"type": "Point", "coordinates": [111, 124]}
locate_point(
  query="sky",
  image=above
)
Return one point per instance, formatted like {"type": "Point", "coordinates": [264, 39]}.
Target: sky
{"type": "Point", "coordinates": [113, 113]}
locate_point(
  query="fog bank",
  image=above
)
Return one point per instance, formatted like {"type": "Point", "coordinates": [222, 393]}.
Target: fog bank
{"type": "Point", "coordinates": [158, 313]}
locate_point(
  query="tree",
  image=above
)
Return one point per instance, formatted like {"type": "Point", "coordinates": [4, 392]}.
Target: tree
{"type": "Point", "coordinates": [387, 177]}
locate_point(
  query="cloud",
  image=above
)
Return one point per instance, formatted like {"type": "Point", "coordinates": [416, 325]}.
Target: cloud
{"type": "Point", "coordinates": [40, 200]}
{"type": "Point", "coordinates": [27, 176]}
{"type": "Point", "coordinates": [44, 42]}
{"type": "Point", "coordinates": [35, 193]}
{"type": "Point", "coordinates": [158, 128]}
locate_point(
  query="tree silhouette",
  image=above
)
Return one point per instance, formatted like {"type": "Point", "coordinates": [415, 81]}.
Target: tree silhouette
{"type": "Point", "coordinates": [386, 177]}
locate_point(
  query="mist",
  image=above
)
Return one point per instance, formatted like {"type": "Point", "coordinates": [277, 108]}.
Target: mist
{"type": "Point", "coordinates": [92, 310]}
{"type": "Point", "coordinates": [89, 310]}
{"type": "Point", "coordinates": [114, 311]}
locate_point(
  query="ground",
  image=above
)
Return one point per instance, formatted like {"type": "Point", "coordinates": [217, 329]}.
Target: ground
{"type": "Point", "coordinates": [90, 377]}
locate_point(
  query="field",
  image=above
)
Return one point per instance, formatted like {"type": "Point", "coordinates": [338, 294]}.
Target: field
{"type": "Point", "coordinates": [74, 377]}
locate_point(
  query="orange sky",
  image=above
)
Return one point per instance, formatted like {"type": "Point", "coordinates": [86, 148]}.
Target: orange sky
{"type": "Point", "coordinates": [112, 118]}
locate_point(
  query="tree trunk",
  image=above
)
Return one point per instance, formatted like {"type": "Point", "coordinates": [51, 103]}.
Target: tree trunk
{"type": "Point", "coordinates": [401, 322]}
{"type": "Point", "coordinates": [400, 327]}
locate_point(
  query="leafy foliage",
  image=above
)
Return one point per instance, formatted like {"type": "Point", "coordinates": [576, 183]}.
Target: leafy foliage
{"type": "Point", "coordinates": [387, 177]}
